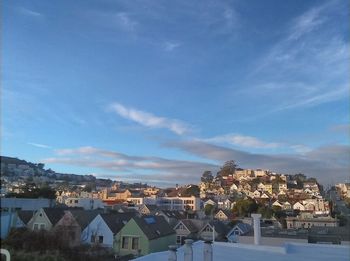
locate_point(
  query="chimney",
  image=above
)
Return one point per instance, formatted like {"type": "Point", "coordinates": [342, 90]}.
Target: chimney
{"type": "Point", "coordinates": [208, 251]}
{"type": "Point", "coordinates": [257, 230]}
{"type": "Point", "coordinates": [172, 253]}
{"type": "Point", "coordinates": [188, 253]}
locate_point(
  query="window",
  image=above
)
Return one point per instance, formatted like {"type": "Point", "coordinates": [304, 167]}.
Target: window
{"type": "Point", "coordinates": [125, 242]}
{"type": "Point", "coordinates": [208, 229]}
{"type": "Point", "coordinates": [92, 239]}
{"type": "Point", "coordinates": [76, 201]}
{"type": "Point", "coordinates": [100, 239]}
{"type": "Point", "coordinates": [178, 239]}
{"type": "Point", "coordinates": [181, 227]}
{"type": "Point", "coordinates": [135, 243]}
{"type": "Point", "coordinates": [38, 226]}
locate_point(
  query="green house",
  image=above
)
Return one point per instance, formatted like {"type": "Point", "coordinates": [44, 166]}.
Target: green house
{"type": "Point", "coordinates": [144, 235]}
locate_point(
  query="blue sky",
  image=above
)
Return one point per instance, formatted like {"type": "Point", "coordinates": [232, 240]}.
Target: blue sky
{"type": "Point", "coordinates": [160, 91]}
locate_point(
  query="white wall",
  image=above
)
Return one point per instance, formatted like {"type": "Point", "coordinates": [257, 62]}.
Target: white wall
{"type": "Point", "coordinates": [97, 227]}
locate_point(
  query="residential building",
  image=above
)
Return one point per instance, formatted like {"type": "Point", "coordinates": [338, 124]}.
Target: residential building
{"type": "Point", "coordinates": [85, 203]}
{"type": "Point", "coordinates": [224, 215]}
{"type": "Point", "coordinates": [102, 229]}
{"type": "Point", "coordinates": [144, 235]}
{"type": "Point", "coordinates": [213, 229]}
{"type": "Point", "coordinates": [308, 221]}
{"type": "Point", "coordinates": [187, 229]}
{"type": "Point", "coordinates": [45, 218]}
{"type": "Point", "coordinates": [179, 203]}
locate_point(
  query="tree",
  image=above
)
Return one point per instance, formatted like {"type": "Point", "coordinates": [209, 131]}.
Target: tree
{"type": "Point", "coordinates": [208, 209]}
{"type": "Point", "coordinates": [228, 168]}
{"type": "Point", "coordinates": [193, 190]}
{"type": "Point", "coordinates": [207, 177]}
{"type": "Point", "coordinates": [244, 207]}
{"type": "Point", "coordinates": [265, 212]}
{"type": "Point", "coordinates": [41, 165]}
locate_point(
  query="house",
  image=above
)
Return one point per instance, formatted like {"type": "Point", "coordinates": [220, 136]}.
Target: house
{"type": "Point", "coordinates": [187, 229]}
{"type": "Point", "coordinates": [68, 229]}
{"type": "Point", "coordinates": [268, 187]}
{"type": "Point", "coordinates": [239, 229]}
{"type": "Point", "coordinates": [172, 217]}
{"type": "Point", "coordinates": [277, 204]}
{"type": "Point", "coordinates": [213, 228]}
{"type": "Point", "coordinates": [298, 206]}
{"type": "Point", "coordinates": [9, 220]}
{"type": "Point", "coordinates": [225, 204]}
{"type": "Point", "coordinates": [85, 203]}
{"type": "Point", "coordinates": [83, 218]}
{"type": "Point", "coordinates": [286, 206]}
{"type": "Point", "coordinates": [307, 221]}
{"type": "Point", "coordinates": [224, 215]}
{"type": "Point", "coordinates": [256, 194]}
{"type": "Point", "coordinates": [210, 202]}
{"type": "Point", "coordinates": [147, 209]}
{"type": "Point", "coordinates": [45, 218]}
{"type": "Point", "coordinates": [179, 203]}
{"type": "Point", "coordinates": [144, 235]}
{"type": "Point", "coordinates": [24, 216]}
{"type": "Point", "coordinates": [102, 229]}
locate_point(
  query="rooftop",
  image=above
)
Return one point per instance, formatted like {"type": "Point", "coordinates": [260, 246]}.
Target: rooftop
{"type": "Point", "coordinates": [245, 252]}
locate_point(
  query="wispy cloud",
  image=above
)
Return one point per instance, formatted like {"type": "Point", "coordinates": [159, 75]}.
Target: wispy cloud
{"type": "Point", "coordinates": [243, 141]}
{"type": "Point", "coordinates": [309, 65]}
{"type": "Point", "coordinates": [319, 162]}
{"type": "Point", "coordinates": [307, 22]}
{"type": "Point", "coordinates": [125, 21]}
{"type": "Point", "coordinates": [149, 120]}
{"type": "Point", "coordinates": [170, 46]}
{"type": "Point", "coordinates": [139, 168]}
{"type": "Point", "coordinates": [38, 145]}
{"type": "Point", "coordinates": [28, 12]}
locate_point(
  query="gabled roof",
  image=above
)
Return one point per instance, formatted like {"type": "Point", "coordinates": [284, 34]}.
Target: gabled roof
{"type": "Point", "coordinates": [173, 214]}
{"type": "Point", "coordinates": [151, 207]}
{"type": "Point", "coordinates": [25, 215]}
{"type": "Point", "coordinates": [242, 227]}
{"type": "Point", "coordinates": [154, 226]}
{"type": "Point", "coordinates": [116, 221]}
{"type": "Point", "coordinates": [189, 225]}
{"type": "Point", "coordinates": [54, 214]}
{"type": "Point", "coordinates": [227, 212]}
{"type": "Point", "coordinates": [219, 227]}
{"type": "Point", "coordinates": [84, 217]}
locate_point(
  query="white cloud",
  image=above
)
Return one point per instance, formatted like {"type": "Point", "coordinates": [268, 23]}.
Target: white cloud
{"type": "Point", "coordinates": [38, 145]}
{"type": "Point", "coordinates": [125, 21]}
{"type": "Point", "coordinates": [170, 46]}
{"type": "Point", "coordinates": [244, 141]}
{"type": "Point", "coordinates": [308, 66]}
{"type": "Point", "coordinates": [307, 22]}
{"type": "Point", "coordinates": [149, 120]}
{"type": "Point", "coordinates": [28, 12]}
{"type": "Point", "coordinates": [139, 168]}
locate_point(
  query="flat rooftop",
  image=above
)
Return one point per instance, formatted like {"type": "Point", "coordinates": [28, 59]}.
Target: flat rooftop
{"type": "Point", "coordinates": [247, 252]}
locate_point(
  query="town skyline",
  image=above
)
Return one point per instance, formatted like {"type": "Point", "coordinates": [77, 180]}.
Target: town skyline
{"type": "Point", "coordinates": [107, 89]}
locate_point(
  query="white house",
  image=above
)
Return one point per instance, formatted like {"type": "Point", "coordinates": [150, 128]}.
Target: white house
{"type": "Point", "coordinates": [103, 227]}
{"type": "Point", "coordinates": [277, 204]}
{"type": "Point", "coordinates": [299, 206]}
{"type": "Point", "coordinates": [286, 205]}
{"type": "Point", "coordinates": [85, 203]}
